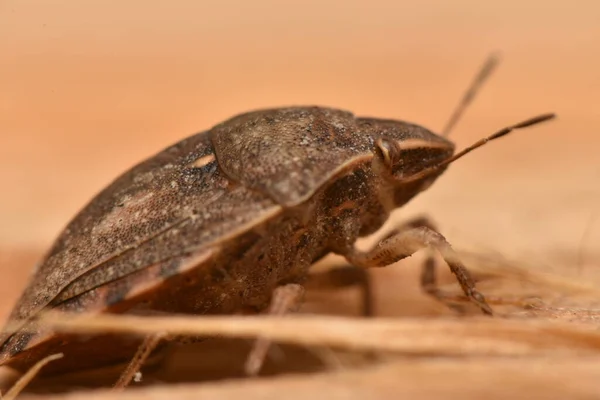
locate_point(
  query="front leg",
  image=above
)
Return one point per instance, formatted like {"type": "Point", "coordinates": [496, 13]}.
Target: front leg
{"type": "Point", "coordinates": [404, 243]}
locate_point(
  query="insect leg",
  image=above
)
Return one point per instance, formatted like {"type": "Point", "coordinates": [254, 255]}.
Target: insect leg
{"type": "Point", "coordinates": [412, 223]}
{"type": "Point", "coordinates": [345, 275]}
{"type": "Point", "coordinates": [342, 276]}
{"type": "Point", "coordinates": [148, 345]}
{"type": "Point", "coordinates": [403, 244]}
{"type": "Point", "coordinates": [428, 276]}
{"type": "Point", "coordinates": [429, 285]}
{"type": "Point", "coordinates": [286, 298]}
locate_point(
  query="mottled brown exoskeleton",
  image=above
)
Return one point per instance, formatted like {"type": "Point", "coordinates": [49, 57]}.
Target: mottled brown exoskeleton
{"type": "Point", "coordinates": [217, 222]}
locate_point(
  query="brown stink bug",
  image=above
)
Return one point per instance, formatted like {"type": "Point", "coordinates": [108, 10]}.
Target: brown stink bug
{"type": "Point", "coordinates": [222, 220]}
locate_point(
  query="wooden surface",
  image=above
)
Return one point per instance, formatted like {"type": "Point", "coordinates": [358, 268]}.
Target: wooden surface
{"type": "Point", "coordinates": [90, 88]}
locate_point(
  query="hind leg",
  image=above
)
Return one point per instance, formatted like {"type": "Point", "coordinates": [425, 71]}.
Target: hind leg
{"type": "Point", "coordinates": [142, 354]}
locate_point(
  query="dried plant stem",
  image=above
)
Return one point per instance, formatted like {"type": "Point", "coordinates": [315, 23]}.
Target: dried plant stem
{"type": "Point", "coordinates": [489, 379]}
{"type": "Point", "coordinates": [28, 377]}
{"type": "Point", "coordinates": [477, 336]}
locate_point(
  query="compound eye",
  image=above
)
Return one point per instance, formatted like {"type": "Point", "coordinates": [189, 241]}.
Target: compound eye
{"type": "Point", "coordinates": [386, 150]}
{"type": "Point", "coordinates": [409, 156]}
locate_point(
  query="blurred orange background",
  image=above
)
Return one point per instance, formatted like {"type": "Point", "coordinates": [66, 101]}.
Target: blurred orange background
{"type": "Point", "coordinates": [89, 88]}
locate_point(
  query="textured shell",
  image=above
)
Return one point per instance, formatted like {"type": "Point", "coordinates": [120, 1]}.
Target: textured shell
{"type": "Point", "coordinates": [184, 200]}
{"type": "Point", "coordinates": [163, 208]}
{"type": "Point", "coordinates": [288, 153]}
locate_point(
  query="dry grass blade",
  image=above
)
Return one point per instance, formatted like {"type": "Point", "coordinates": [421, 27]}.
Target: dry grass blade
{"type": "Point", "coordinates": [28, 377]}
{"type": "Point", "coordinates": [477, 336]}
{"type": "Point", "coordinates": [490, 379]}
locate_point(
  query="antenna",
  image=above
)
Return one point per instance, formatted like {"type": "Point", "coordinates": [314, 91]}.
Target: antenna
{"type": "Point", "coordinates": [484, 73]}
{"type": "Point", "coordinates": [481, 142]}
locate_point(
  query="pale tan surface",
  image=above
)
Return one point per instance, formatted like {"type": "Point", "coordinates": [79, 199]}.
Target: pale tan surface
{"type": "Point", "coordinates": [90, 88]}
{"type": "Point", "coordinates": [402, 380]}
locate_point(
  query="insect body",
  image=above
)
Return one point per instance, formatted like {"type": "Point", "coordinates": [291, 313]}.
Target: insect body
{"type": "Point", "coordinates": [218, 221]}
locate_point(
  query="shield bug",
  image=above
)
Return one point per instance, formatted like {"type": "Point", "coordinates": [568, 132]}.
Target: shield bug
{"type": "Point", "coordinates": [222, 220]}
